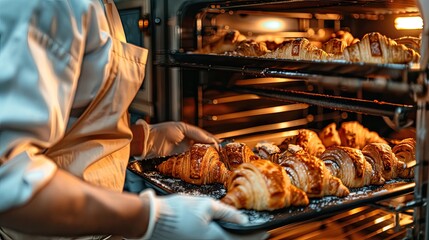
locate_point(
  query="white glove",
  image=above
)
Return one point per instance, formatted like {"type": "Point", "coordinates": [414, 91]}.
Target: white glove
{"type": "Point", "coordinates": [187, 217]}
{"type": "Point", "coordinates": [170, 138]}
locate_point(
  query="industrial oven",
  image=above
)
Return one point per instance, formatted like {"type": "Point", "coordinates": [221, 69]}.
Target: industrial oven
{"type": "Point", "coordinates": [250, 99]}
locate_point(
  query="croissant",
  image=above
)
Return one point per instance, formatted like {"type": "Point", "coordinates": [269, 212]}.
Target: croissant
{"type": "Point", "coordinates": [410, 42]}
{"type": "Point", "coordinates": [307, 139]}
{"type": "Point", "coordinates": [377, 48]}
{"type": "Point", "coordinates": [405, 152]}
{"type": "Point", "coordinates": [262, 185]}
{"type": "Point", "coordinates": [249, 48]}
{"type": "Point", "coordinates": [329, 135]}
{"type": "Point", "coordinates": [300, 49]}
{"type": "Point", "coordinates": [349, 165]}
{"type": "Point", "coordinates": [353, 134]}
{"type": "Point", "coordinates": [345, 36]}
{"type": "Point", "coordinates": [199, 165]}
{"type": "Point", "coordinates": [234, 154]}
{"type": "Point", "coordinates": [384, 163]}
{"type": "Point", "coordinates": [309, 173]}
{"type": "Point", "coordinates": [223, 41]}
{"type": "Point", "coordinates": [334, 46]}
{"type": "Point", "coordinates": [266, 150]}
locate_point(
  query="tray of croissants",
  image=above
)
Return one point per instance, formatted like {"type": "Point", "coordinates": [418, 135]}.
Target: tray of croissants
{"type": "Point", "coordinates": [302, 177]}
{"type": "Point", "coordinates": [342, 53]}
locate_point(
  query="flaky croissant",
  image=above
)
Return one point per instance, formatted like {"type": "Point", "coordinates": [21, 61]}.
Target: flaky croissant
{"type": "Point", "coordinates": [267, 150]}
{"type": "Point", "coordinates": [309, 173]}
{"type": "Point", "coordinates": [300, 49]}
{"type": "Point", "coordinates": [377, 48]}
{"type": "Point", "coordinates": [334, 46]}
{"type": "Point", "coordinates": [345, 36]}
{"type": "Point", "coordinates": [353, 134]}
{"type": "Point", "coordinates": [307, 139]}
{"type": "Point", "coordinates": [262, 185]}
{"type": "Point", "coordinates": [199, 165]}
{"type": "Point", "coordinates": [329, 135]}
{"type": "Point", "coordinates": [249, 48]}
{"type": "Point", "coordinates": [349, 165]}
{"type": "Point", "coordinates": [222, 42]}
{"type": "Point", "coordinates": [405, 152]}
{"type": "Point", "coordinates": [235, 153]}
{"type": "Point", "coordinates": [384, 163]}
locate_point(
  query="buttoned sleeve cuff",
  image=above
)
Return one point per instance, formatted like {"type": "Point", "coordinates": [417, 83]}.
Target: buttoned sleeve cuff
{"type": "Point", "coordinates": [21, 177]}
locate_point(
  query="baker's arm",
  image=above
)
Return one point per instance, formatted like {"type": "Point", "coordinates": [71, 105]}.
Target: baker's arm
{"type": "Point", "coordinates": [69, 206]}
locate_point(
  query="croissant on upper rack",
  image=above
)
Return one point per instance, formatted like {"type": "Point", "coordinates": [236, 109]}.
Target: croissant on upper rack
{"type": "Point", "coordinates": [353, 134]}
{"type": "Point", "coordinates": [223, 41]}
{"type": "Point", "coordinates": [405, 152]}
{"type": "Point", "coordinates": [249, 48]}
{"type": "Point", "coordinates": [236, 153]}
{"type": "Point", "coordinates": [350, 166]}
{"type": "Point", "coordinates": [300, 49]}
{"type": "Point", "coordinates": [346, 37]}
{"type": "Point", "coordinates": [262, 185]}
{"type": "Point", "coordinates": [309, 173]}
{"type": "Point", "coordinates": [334, 46]}
{"type": "Point", "coordinates": [199, 165]}
{"type": "Point", "coordinates": [329, 135]}
{"type": "Point", "coordinates": [384, 163]}
{"type": "Point", "coordinates": [307, 139]}
{"type": "Point", "coordinates": [377, 48]}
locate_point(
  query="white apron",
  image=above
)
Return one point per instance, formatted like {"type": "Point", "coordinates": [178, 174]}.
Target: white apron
{"type": "Point", "coordinates": [96, 145]}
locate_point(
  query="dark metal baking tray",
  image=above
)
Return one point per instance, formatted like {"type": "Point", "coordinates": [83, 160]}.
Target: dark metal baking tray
{"type": "Point", "coordinates": [265, 220]}
{"type": "Point", "coordinates": [292, 67]}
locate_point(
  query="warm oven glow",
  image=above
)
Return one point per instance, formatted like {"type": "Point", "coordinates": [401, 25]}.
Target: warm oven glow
{"type": "Point", "coordinates": [402, 23]}
{"type": "Point", "coordinates": [272, 24]}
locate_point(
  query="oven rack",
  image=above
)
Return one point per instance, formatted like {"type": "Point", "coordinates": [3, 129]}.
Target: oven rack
{"type": "Point", "coordinates": [395, 78]}
{"type": "Point", "coordinates": [383, 78]}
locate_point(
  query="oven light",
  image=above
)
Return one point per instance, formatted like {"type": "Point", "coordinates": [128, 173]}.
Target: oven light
{"type": "Point", "coordinates": [402, 23]}
{"type": "Point", "coordinates": [272, 24]}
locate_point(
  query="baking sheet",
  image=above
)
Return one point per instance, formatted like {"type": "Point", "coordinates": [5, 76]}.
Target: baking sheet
{"type": "Point", "coordinates": [265, 220]}
{"type": "Point", "coordinates": [348, 69]}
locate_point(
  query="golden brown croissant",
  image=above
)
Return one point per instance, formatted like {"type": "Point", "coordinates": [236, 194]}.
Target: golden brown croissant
{"type": "Point", "coordinates": [353, 134]}
{"type": "Point", "coordinates": [266, 150]}
{"type": "Point", "coordinates": [262, 185]}
{"type": "Point", "coordinates": [410, 42]}
{"type": "Point", "coordinates": [349, 165]}
{"type": "Point", "coordinates": [307, 139]}
{"type": "Point", "coordinates": [329, 135]}
{"type": "Point", "coordinates": [405, 152]}
{"type": "Point", "coordinates": [249, 48]}
{"type": "Point", "coordinates": [300, 49]}
{"type": "Point", "coordinates": [235, 153]}
{"type": "Point", "coordinates": [309, 173]}
{"type": "Point", "coordinates": [224, 41]}
{"type": "Point", "coordinates": [384, 163]}
{"type": "Point", "coordinates": [199, 165]}
{"type": "Point", "coordinates": [334, 46]}
{"type": "Point", "coordinates": [377, 48]}
{"type": "Point", "coordinates": [345, 36]}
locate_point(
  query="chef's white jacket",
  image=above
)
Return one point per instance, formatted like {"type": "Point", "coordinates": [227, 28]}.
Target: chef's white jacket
{"type": "Point", "coordinates": [66, 81]}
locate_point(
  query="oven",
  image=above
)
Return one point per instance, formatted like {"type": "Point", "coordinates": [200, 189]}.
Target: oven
{"type": "Point", "coordinates": [249, 99]}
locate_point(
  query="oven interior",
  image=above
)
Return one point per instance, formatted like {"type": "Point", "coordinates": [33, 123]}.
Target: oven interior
{"type": "Point", "coordinates": [251, 100]}
{"type": "Point", "coordinates": [220, 96]}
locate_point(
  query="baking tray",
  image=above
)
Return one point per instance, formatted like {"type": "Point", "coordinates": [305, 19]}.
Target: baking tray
{"type": "Point", "coordinates": [390, 71]}
{"type": "Point", "coordinates": [266, 220]}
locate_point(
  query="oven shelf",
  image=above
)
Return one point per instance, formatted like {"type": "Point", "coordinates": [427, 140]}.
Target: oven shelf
{"type": "Point", "coordinates": [395, 78]}
{"type": "Point", "coordinates": [375, 108]}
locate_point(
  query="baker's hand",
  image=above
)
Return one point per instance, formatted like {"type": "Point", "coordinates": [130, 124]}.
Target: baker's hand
{"type": "Point", "coordinates": [170, 138]}
{"type": "Point", "coordinates": [187, 217]}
